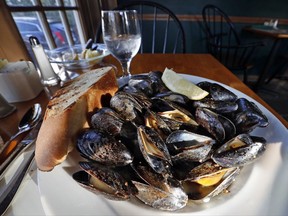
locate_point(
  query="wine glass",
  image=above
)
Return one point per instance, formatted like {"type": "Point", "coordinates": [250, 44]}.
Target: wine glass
{"type": "Point", "coordinates": [121, 34]}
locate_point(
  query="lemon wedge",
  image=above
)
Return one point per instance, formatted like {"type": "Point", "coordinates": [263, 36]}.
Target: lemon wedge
{"type": "Point", "coordinates": [3, 62]}
{"type": "Point", "coordinates": [88, 53]}
{"type": "Point", "coordinates": [179, 84]}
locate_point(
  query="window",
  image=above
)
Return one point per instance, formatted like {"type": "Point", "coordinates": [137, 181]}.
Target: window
{"type": "Point", "coordinates": [58, 23]}
{"type": "Point", "coordinates": [55, 23]}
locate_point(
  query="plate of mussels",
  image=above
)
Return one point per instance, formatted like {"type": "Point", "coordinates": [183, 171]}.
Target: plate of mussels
{"type": "Point", "coordinates": [158, 152]}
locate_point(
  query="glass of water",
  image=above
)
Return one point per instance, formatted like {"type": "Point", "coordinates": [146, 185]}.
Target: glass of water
{"type": "Point", "coordinates": [121, 34]}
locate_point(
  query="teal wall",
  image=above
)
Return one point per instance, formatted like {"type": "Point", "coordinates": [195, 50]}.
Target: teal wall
{"type": "Point", "coordinates": [254, 10]}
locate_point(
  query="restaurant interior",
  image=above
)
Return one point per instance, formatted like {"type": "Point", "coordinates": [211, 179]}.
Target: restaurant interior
{"type": "Point", "coordinates": [240, 44]}
{"type": "Point", "coordinates": [242, 14]}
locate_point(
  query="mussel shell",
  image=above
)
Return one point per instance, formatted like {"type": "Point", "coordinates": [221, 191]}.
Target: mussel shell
{"type": "Point", "coordinates": [174, 97]}
{"type": "Point", "coordinates": [103, 148]}
{"type": "Point", "coordinates": [127, 107]}
{"type": "Point", "coordinates": [239, 151]}
{"type": "Point", "coordinates": [218, 106]}
{"type": "Point", "coordinates": [218, 92]}
{"type": "Point", "coordinates": [198, 193]}
{"type": "Point", "coordinates": [157, 83]}
{"type": "Point", "coordinates": [210, 121]}
{"type": "Point", "coordinates": [102, 180]}
{"type": "Point", "coordinates": [157, 123]}
{"type": "Point", "coordinates": [248, 116]}
{"type": "Point", "coordinates": [142, 83]}
{"type": "Point", "coordinates": [185, 145]}
{"type": "Point", "coordinates": [154, 149]}
{"type": "Point", "coordinates": [108, 121]}
{"type": "Point", "coordinates": [159, 199]}
{"type": "Point", "coordinates": [174, 113]}
{"type": "Point", "coordinates": [149, 176]}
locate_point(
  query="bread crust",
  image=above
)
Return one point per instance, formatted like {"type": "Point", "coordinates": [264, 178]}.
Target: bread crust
{"type": "Point", "coordinates": [61, 125]}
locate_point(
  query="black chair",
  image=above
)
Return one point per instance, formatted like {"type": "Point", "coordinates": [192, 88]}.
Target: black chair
{"type": "Point", "coordinates": [224, 43]}
{"type": "Point", "coordinates": [161, 30]}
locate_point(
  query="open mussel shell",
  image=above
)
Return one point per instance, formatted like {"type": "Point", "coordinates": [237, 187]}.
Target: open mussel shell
{"type": "Point", "coordinates": [103, 148]}
{"type": "Point", "coordinates": [154, 149]}
{"type": "Point", "coordinates": [239, 151]}
{"type": "Point", "coordinates": [149, 176]}
{"type": "Point", "coordinates": [157, 123]}
{"type": "Point", "coordinates": [189, 146]}
{"type": "Point", "coordinates": [159, 199]}
{"type": "Point", "coordinates": [174, 115]}
{"type": "Point", "coordinates": [102, 180]}
{"type": "Point", "coordinates": [207, 184]}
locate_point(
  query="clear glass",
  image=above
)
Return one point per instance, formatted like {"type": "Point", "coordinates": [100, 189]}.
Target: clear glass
{"type": "Point", "coordinates": [121, 34]}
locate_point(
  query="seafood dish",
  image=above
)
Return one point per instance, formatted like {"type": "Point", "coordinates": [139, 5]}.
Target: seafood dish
{"type": "Point", "coordinates": [166, 149]}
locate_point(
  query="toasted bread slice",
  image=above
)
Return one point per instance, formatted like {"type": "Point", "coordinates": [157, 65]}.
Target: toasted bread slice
{"type": "Point", "coordinates": [68, 112]}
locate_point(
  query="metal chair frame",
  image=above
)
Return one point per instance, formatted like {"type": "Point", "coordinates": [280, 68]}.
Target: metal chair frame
{"type": "Point", "coordinates": [160, 13]}
{"type": "Point", "coordinates": [224, 43]}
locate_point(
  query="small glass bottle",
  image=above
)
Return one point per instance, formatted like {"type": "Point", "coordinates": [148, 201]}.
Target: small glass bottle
{"type": "Point", "coordinates": [49, 79]}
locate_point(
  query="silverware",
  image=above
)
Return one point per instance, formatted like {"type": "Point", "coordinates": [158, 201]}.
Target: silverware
{"type": "Point", "coordinates": [12, 187]}
{"type": "Point", "coordinates": [28, 121]}
{"type": "Point", "coordinates": [23, 145]}
{"type": "Point", "coordinates": [9, 190]}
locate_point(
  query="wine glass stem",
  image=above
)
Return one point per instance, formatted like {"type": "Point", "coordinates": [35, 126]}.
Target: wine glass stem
{"type": "Point", "coordinates": [126, 68]}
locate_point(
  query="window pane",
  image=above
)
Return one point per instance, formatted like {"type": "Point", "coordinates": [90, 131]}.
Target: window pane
{"type": "Point", "coordinates": [48, 2]}
{"type": "Point", "coordinates": [19, 2]}
{"type": "Point", "coordinates": [29, 25]}
{"type": "Point", "coordinates": [69, 3]}
{"type": "Point", "coordinates": [58, 30]}
{"type": "Point", "coordinates": [73, 26]}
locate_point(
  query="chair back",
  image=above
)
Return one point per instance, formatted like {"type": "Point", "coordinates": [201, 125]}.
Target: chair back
{"type": "Point", "coordinates": [223, 41]}
{"type": "Point", "coordinates": [161, 30]}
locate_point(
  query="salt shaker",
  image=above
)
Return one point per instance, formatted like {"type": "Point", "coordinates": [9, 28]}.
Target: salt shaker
{"type": "Point", "coordinates": [49, 78]}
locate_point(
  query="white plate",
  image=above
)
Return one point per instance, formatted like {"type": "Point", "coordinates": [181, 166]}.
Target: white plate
{"type": "Point", "coordinates": [249, 194]}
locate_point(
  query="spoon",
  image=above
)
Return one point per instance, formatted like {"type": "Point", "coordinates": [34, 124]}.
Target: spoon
{"type": "Point", "coordinates": [28, 121]}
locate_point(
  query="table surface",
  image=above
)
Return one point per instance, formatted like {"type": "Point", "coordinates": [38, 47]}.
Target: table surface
{"type": "Point", "coordinates": [279, 32]}
{"type": "Point", "coordinates": [203, 65]}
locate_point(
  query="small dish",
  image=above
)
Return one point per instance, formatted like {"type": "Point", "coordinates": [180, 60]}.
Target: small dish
{"type": "Point", "coordinates": [77, 57]}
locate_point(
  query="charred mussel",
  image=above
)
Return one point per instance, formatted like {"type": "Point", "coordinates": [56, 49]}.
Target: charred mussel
{"type": "Point", "coordinates": [102, 180]}
{"type": "Point", "coordinates": [102, 148]}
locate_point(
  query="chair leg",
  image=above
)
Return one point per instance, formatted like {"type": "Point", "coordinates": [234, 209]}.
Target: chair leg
{"type": "Point", "coordinates": [245, 79]}
{"type": "Point", "coordinates": [284, 67]}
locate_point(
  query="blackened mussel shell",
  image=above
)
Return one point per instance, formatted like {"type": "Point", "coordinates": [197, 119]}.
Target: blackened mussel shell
{"type": "Point", "coordinates": [103, 180]}
{"type": "Point", "coordinates": [218, 92]}
{"type": "Point", "coordinates": [103, 148]}
{"type": "Point", "coordinates": [189, 146]}
{"type": "Point", "coordinates": [220, 127]}
{"type": "Point", "coordinates": [154, 149]}
{"type": "Point", "coordinates": [248, 116]}
{"type": "Point", "coordinates": [239, 151]}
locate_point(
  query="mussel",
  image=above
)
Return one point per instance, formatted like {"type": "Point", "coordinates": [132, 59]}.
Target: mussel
{"type": "Point", "coordinates": [220, 127]}
{"type": "Point", "coordinates": [154, 149]}
{"type": "Point", "coordinates": [104, 181]}
{"type": "Point", "coordinates": [102, 148]}
{"type": "Point", "coordinates": [189, 146]}
{"type": "Point", "coordinates": [239, 151]}
{"type": "Point", "coordinates": [208, 180]}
